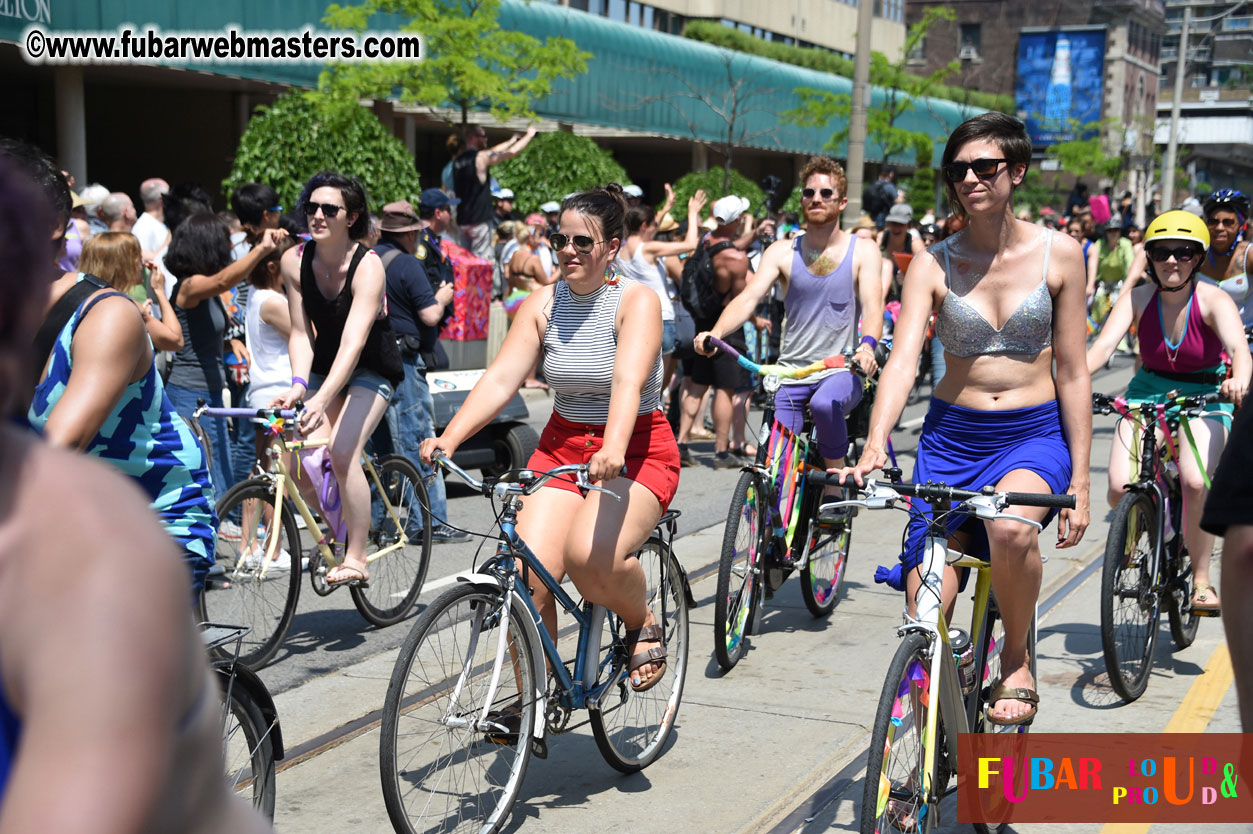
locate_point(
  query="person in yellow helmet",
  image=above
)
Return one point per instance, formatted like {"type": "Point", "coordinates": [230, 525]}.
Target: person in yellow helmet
{"type": "Point", "coordinates": [1184, 327]}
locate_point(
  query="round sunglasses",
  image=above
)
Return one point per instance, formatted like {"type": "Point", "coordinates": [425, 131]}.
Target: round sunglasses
{"type": "Point", "coordinates": [825, 193]}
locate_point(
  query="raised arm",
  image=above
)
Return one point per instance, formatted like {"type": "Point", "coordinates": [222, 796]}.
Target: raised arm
{"type": "Point", "coordinates": [658, 248]}
{"type": "Point", "coordinates": [503, 151]}
{"type": "Point", "coordinates": [166, 333]}
{"type": "Point", "coordinates": [197, 288]}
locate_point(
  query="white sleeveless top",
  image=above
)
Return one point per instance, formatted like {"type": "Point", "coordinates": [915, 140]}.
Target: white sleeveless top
{"type": "Point", "coordinates": [580, 344]}
{"type": "Point", "coordinates": [270, 371]}
{"type": "Point", "coordinates": [651, 275]}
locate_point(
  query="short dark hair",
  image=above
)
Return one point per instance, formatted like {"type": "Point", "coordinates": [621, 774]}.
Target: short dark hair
{"type": "Point", "coordinates": [1009, 134]}
{"type": "Point", "coordinates": [184, 200]}
{"type": "Point", "coordinates": [201, 245]}
{"type": "Point", "coordinates": [607, 204]}
{"type": "Point", "coordinates": [252, 200]}
{"type": "Point", "coordinates": [26, 268]}
{"type": "Point", "coordinates": [353, 192]}
{"type": "Point", "coordinates": [44, 173]}
{"type": "Point", "coordinates": [392, 238]}
{"type": "Point", "coordinates": [259, 275]}
{"type": "Point", "coordinates": [637, 217]}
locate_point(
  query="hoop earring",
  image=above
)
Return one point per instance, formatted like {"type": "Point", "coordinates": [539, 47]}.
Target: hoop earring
{"type": "Point", "coordinates": [611, 274]}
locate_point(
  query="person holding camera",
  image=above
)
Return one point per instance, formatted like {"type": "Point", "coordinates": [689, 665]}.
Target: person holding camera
{"type": "Point", "coordinates": [419, 299]}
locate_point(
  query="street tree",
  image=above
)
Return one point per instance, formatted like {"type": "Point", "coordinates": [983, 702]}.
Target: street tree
{"type": "Point", "coordinates": [902, 91]}
{"type": "Point", "coordinates": [555, 164]}
{"type": "Point", "coordinates": [469, 62]}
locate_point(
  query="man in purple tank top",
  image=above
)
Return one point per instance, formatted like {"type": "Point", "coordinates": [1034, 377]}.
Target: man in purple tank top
{"type": "Point", "coordinates": [828, 278]}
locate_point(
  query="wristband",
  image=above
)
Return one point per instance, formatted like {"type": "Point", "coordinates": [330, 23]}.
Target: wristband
{"type": "Point", "coordinates": [870, 340]}
{"type": "Point", "coordinates": [301, 380]}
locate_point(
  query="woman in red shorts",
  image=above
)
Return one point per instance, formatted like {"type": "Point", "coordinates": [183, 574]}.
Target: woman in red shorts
{"type": "Point", "coordinates": [599, 339]}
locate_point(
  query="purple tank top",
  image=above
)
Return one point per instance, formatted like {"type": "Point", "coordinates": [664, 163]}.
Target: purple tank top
{"type": "Point", "coordinates": [1199, 348]}
{"type": "Point", "coordinates": [73, 249]}
{"type": "Point", "coordinates": [820, 311]}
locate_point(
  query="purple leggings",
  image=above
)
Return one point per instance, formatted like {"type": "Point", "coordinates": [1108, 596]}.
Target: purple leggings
{"type": "Point", "coordinates": [829, 399]}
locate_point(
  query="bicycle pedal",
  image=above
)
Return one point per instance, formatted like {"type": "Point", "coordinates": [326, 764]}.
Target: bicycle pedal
{"type": "Point", "coordinates": [1204, 613]}
{"type": "Point", "coordinates": [539, 748]}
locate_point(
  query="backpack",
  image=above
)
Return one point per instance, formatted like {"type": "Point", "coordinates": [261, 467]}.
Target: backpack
{"type": "Point", "coordinates": [696, 288]}
{"type": "Point", "coordinates": [875, 199]}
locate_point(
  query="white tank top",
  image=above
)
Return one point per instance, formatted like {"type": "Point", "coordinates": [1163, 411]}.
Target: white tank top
{"type": "Point", "coordinates": [651, 275]}
{"type": "Point", "coordinates": [270, 371]}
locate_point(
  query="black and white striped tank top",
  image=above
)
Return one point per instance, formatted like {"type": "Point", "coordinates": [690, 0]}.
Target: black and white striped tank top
{"type": "Point", "coordinates": [580, 342]}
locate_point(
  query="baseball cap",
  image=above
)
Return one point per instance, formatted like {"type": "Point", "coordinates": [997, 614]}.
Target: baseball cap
{"type": "Point", "coordinates": [503, 194]}
{"type": "Point", "coordinates": [550, 206]}
{"type": "Point", "coordinates": [728, 209]}
{"type": "Point", "coordinates": [900, 213]}
{"type": "Point", "coordinates": [434, 198]}
{"type": "Point", "coordinates": [633, 191]}
{"type": "Point", "coordinates": [399, 217]}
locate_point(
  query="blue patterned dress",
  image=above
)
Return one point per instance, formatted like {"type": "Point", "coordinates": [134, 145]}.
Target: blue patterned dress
{"type": "Point", "coordinates": [147, 440]}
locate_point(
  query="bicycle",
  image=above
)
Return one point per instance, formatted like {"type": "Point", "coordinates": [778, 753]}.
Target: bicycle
{"type": "Point", "coordinates": [261, 586]}
{"type": "Point", "coordinates": [470, 702]}
{"type": "Point", "coordinates": [940, 680]}
{"type": "Point", "coordinates": [251, 738]}
{"type": "Point", "coordinates": [1146, 562]}
{"type": "Point", "coordinates": [772, 527]}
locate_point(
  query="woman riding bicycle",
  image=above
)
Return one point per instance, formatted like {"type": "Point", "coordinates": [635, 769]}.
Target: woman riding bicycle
{"type": "Point", "coordinates": [1227, 262]}
{"type": "Point", "coordinates": [1014, 408]}
{"type": "Point", "coordinates": [599, 339]}
{"type": "Point", "coordinates": [1184, 326]}
{"type": "Point", "coordinates": [346, 373]}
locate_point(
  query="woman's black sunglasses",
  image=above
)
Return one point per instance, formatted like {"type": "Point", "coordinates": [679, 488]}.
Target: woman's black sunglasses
{"type": "Point", "coordinates": [827, 193]}
{"type": "Point", "coordinates": [1161, 254]}
{"type": "Point", "coordinates": [329, 210]}
{"type": "Point", "coordinates": [582, 243]}
{"type": "Point", "coordinates": [984, 169]}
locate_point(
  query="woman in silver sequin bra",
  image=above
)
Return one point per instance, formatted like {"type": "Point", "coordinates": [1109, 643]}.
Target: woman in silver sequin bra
{"type": "Point", "coordinates": [1009, 299]}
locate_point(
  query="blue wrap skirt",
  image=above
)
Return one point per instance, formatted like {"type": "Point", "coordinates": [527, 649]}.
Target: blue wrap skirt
{"type": "Point", "coordinates": [969, 449]}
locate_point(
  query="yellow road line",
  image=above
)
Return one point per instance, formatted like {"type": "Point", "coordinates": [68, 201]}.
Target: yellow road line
{"type": "Point", "coordinates": [1193, 715]}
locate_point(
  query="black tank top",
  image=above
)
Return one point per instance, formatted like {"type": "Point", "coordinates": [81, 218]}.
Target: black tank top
{"type": "Point", "coordinates": [475, 196]}
{"type": "Point", "coordinates": [379, 353]}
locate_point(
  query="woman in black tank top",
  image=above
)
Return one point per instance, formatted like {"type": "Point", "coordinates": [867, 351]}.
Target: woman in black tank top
{"type": "Point", "coordinates": [347, 372]}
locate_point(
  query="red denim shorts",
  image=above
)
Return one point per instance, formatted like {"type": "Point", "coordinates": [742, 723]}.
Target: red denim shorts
{"type": "Point", "coordinates": [652, 455]}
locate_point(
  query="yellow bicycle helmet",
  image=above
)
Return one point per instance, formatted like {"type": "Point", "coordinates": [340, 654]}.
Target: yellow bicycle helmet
{"type": "Point", "coordinates": [1178, 225]}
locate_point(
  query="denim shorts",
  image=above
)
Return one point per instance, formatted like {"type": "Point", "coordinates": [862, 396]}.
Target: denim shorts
{"type": "Point", "coordinates": [361, 378]}
{"type": "Point", "coordinates": [669, 337]}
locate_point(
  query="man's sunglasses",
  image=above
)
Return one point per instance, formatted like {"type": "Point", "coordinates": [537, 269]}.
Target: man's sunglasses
{"type": "Point", "coordinates": [329, 210]}
{"type": "Point", "coordinates": [985, 169]}
{"type": "Point", "coordinates": [582, 243]}
{"type": "Point", "coordinates": [826, 193]}
{"type": "Point", "coordinates": [1161, 254]}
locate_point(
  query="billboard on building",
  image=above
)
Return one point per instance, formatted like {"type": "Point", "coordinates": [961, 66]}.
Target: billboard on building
{"type": "Point", "coordinates": [1060, 82]}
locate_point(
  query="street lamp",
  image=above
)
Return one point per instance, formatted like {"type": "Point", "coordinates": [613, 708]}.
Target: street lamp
{"type": "Point", "coordinates": [1181, 62]}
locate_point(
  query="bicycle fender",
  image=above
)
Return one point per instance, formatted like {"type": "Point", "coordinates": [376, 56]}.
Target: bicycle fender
{"type": "Point", "coordinates": [251, 683]}
{"type": "Point", "coordinates": [687, 585]}
{"type": "Point", "coordinates": [539, 674]}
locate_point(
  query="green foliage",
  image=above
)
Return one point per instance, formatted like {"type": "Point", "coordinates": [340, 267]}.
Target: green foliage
{"type": "Point", "coordinates": [823, 61]}
{"type": "Point", "coordinates": [1087, 157]}
{"type": "Point", "coordinates": [469, 60]}
{"type": "Point", "coordinates": [294, 138]}
{"type": "Point", "coordinates": [711, 181]}
{"type": "Point", "coordinates": [555, 164]}
{"type": "Point", "coordinates": [920, 191]}
{"type": "Point", "coordinates": [1034, 193]}
{"type": "Point", "coordinates": [901, 91]}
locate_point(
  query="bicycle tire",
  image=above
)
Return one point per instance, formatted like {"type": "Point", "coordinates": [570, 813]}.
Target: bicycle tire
{"type": "Point", "coordinates": [826, 562]}
{"type": "Point", "coordinates": [1181, 582]}
{"type": "Point", "coordinates": [1130, 604]}
{"type": "Point", "coordinates": [247, 746]}
{"type": "Point", "coordinates": [417, 748]}
{"type": "Point", "coordinates": [988, 670]}
{"type": "Point", "coordinates": [899, 718]}
{"type": "Point", "coordinates": [743, 543]}
{"type": "Point", "coordinates": [396, 578]}
{"type": "Point", "coordinates": [631, 728]}
{"type": "Point", "coordinates": [265, 603]}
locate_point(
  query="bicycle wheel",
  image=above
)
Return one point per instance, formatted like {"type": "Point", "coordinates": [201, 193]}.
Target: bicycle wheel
{"type": "Point", "coordinates": [743, 542]}
{"type": "Point", "coordinates": [897, 747]}
{"type": "Point", "coordinates": [247, 746]}
{"type": "Point", "coordinates": [251, 592]}
{"type": "Point", "coordinates": [1181, 582]}
{"type": "Point", "coordinates": [631, 727]}
{"type": "Point", "coordinates": [825, 563]}
{"type": "Point", "coordinates": [396, 577]}
{"type": "Point", "coordinates": [441, 773]}
{"type": "Point", "coordinates": [1130, 604]}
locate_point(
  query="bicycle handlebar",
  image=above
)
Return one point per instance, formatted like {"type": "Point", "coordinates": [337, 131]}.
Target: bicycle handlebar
{"type": "Point", "coordinates": [839, 360]}
{"type": "Point", "coordinates": [932, 492]}
{"type": "Point", "coordinates": [534, 482]}
{"type": "Point", "coordinates": [249, 413]}
{"type": "Point", "coordinates": [1108, 403]}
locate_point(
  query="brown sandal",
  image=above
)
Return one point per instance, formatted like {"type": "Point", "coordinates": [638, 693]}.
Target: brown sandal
{"type": "Point", "coordinates": [1201, 606]}
{"type": "Point", "coordinates": [657, 654]}
{"type": "Point", "coordinates": [1001, 692]}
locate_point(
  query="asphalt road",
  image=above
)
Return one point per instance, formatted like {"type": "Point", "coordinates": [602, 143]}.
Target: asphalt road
{"type": "Point", "coordinates": [328, 633]}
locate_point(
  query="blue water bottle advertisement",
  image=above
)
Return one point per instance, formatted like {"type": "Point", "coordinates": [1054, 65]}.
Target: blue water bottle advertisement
{"type": "Point", "coordinates": [1059, 86]}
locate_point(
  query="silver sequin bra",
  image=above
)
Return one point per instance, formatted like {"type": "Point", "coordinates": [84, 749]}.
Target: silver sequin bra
{"type": "Point", "coordinates": [964, 332]}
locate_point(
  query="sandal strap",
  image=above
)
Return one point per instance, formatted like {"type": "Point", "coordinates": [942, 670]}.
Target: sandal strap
{"type": "Point", "coordinates": [1020, 693]}
{"type": "Point", "coordinates": [646, 633]}
{"type": "Point", "coordinates": [653, 655]}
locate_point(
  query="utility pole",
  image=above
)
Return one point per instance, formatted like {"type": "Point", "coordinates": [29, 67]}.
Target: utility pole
{"type": "Point", "coordinates": [1172, 141]}
{"type": "Point", "coordinates": [857, 116]}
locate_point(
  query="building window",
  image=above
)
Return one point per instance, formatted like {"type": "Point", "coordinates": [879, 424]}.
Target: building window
{"type": "Point", "coordinates": [646, 16]}
{"type": "Point", "coordinates": [617, 10]}
{"type": "Point", "coordinates": [918, 55]}
{"type": "Point", "coordinates": [579, 5]}
{"type": "Point", "coordinates": [971, 41]}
